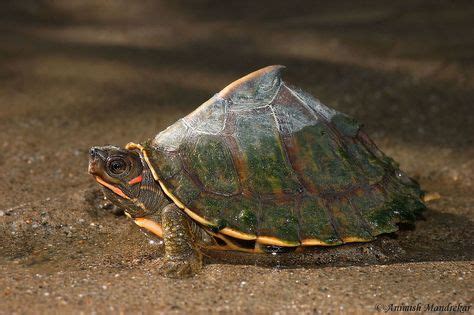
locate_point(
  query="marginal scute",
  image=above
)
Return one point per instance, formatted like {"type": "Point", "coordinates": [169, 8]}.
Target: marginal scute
{"type": "Point", "coordinates": [279, 221]}
{"type": "Point", "coordinates": [404, 199]}
{"type": "Point", "coordinates": [248, 217]}
{"type": "Point", "coordinates": [225, 212]}
{"type": "Point", "coordinates": [315, 222]}
{"type": "Point", "coordinates": [371, 204]}
{"type": "Point", "coordinates": [266, 164]}
{"type": "Point", "coordinates": [347, 221]}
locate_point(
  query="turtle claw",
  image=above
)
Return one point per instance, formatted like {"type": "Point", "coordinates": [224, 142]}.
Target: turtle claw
{"type": "Point", "coordinates": [181, 268]}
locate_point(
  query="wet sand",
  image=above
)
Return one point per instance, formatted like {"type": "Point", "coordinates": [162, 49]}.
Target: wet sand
{"type": "Point", "coordinates": [84, 73]}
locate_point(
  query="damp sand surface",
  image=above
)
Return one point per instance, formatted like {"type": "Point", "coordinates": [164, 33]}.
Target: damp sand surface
{"type": "Point", "coordinates": [86, 73]}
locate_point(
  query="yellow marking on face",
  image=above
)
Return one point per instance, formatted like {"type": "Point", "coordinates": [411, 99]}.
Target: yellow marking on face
{"type": "Point", "coordinates": [111, 187]}
{"type": "Point", "coordinates": [150, 225]}
{"type": "Point", "coordinates": [128, 215]}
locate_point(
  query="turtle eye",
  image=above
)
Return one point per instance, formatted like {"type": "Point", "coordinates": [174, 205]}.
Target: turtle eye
{"type": "Point", "coordinates": [117, 166]}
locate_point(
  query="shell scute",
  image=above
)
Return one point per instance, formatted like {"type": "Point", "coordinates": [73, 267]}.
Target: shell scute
{"type": "Point", "coordinates": [347, 221]}
{"type": "Point", "coordinates": [317, 108]}
{"type": "Point", "coordinates": [268, 171]}
{"type": "Point", "coordinates": [369, 166]}
{"type": "Point", "coordinates": [315, 223]}
{"type": "Point", "coordinates": [279, 220]}
{"type": "Point", "coordinates": [238, 213]}
{"type": "Point", "coordinates": [266, 162]}
{"type": "Point", "coordinates": [171, 138]}
{"type": "Point", "coordinates": [211, 161]}
{"type": "Point", "coordinates": [371, 204]}
{"type": "Point", "coordinates": [321, 159]}
{"type": "Point", "coordinates": [184, 188]}
{"type": "Point", "coordinates": [209, 118]}
{"type": "Point", "coordinates": [254, 90]}
{"type": "Point", "coordinates": [348, 126]}
{"type": "Point", "coordinates": [404, 198]}
{"type": "Point", "coordinates": [170, 163]}
{"type": "Point", "coordinates": [290, 114]}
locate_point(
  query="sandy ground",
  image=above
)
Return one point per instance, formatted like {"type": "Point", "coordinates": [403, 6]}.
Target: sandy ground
{"type": "Point", "coordinates": [79, 73]}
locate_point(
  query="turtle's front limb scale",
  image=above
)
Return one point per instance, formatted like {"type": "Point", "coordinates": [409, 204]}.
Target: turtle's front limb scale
{"type": "Point", "coordinates": [182, 256]}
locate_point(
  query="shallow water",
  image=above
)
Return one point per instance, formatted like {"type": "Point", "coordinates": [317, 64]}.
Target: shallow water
{"type": "Point", "coordinates": [81, 74]}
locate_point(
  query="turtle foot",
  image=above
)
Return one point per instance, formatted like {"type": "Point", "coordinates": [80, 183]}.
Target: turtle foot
{"type": "Point", "coordinates": [181, 268]}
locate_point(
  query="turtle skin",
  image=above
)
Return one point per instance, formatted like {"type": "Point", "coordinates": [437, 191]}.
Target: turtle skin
{"type": "Point", "coordinates": [265, 162]}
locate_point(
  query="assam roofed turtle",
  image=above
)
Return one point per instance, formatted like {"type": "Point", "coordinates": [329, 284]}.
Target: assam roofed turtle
{"type": "Point", "coordinates": [260, 166]}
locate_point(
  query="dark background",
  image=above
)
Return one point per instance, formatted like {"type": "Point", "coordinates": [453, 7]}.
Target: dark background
{"type": "Point", "coordinates": [79, 73]}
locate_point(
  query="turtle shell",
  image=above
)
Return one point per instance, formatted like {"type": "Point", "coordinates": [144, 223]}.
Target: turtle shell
{"type": "Point", "coordinates": [266, 162]}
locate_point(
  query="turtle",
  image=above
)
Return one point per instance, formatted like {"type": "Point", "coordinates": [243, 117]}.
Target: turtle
{"type": "Point", "coordinates": [261, 167]}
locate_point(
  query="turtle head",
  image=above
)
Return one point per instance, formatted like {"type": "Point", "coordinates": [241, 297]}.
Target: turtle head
{"type": "Point", "coordinates": [117, 169]}
{"type": "Point", "coordinates": [126, 179]}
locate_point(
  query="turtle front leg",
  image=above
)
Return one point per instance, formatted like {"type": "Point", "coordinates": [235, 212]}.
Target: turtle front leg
{"type": "Point", "coordinates": [182, 257]}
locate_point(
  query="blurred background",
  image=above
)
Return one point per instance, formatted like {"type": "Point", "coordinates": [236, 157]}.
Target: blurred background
{"type": "Point", "coordinates": [79, 73]}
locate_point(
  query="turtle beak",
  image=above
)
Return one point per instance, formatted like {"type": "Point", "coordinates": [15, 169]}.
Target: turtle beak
{"type": "Point", "coordinates": [96, 160]}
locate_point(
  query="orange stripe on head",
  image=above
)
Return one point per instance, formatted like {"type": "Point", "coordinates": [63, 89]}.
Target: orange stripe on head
{"type": "Point", "coordinates": [136, 180]}
{"type": "Point", "coordinates": [111, 187]}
